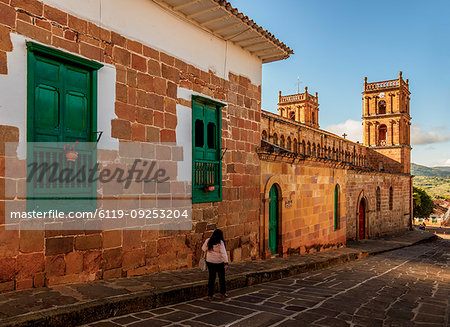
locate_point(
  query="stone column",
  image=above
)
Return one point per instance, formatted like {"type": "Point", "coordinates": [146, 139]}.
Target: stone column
{"type": "Point", "coordinates": [264, 231]}
{"type": "Point", "coordinates": [391, 132]}
{"type": "Point", "coordinates": [392, 95]}
{"type": "Point", "coordinates": [367, 131]}
{"type": "Point", "coordinates": [408, 128]}
{"type": "Point", "coordinates": [367, 106]}
{"type": "Point", "coordinates": [376, 132]}
{"type": "Point", "coordinates": [376, 104]}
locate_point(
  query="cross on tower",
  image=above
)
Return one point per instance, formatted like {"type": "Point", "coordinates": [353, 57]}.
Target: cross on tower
{"type": "Point", "coordinates": [344, 135]}
{"type": "Point", "coordinates": [298, 84]}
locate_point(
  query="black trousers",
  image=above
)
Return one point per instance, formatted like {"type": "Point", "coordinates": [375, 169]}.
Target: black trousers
{"type": "Point", "coordinates": [213, 269]}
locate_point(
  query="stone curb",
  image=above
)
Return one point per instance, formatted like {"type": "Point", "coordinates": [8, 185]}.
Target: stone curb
{"type": "Point", "coordinates": [86, 312]}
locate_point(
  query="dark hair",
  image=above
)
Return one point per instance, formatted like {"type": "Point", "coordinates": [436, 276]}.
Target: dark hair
{"type": "Point", "coordinates": [216, 238]}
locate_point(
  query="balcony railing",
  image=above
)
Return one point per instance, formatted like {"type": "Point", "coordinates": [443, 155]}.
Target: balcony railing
{"type": "Point", "coordinates": [206, 172]}
{"type": "Point", "coordinates": [382, 85]}
{"type": "Point", "coordinates": [297, 97]}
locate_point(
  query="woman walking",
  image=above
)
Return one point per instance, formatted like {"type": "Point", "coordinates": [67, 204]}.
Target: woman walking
{"type": "Point", "coordinates": [217, 262]}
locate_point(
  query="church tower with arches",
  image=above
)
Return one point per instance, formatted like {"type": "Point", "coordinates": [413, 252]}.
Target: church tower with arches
{"type": "Point", "coordinates": [386, 119]}
{"type": "Point", "coordinates": [301, 107]}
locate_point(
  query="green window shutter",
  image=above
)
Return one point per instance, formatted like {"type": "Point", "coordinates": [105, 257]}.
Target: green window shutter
{"type": "Point", "coordinates": [336, 207]}
{"type": "Point", "coordinates": [206, 150]}
{"type": "Point", "coordinates": [62, 107]}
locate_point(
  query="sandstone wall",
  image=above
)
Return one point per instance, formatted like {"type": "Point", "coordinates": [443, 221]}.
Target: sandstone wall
{"type": "Point", "coordinates": [307, 208]}
{"type": "Point", "coordinates": [147, 97]}
{"type": "Point", "coordinates": [307, 223]}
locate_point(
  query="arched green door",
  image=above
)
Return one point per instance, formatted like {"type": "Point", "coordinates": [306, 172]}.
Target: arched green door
{"type": "Point", "coordinates": [336, 207]}
{"type": "Point", "coordinates": [273, 220]}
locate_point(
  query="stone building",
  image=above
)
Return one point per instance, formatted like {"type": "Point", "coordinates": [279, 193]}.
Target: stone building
{"type": "Point", "coordinates": [319, 189]}
{"type": "Point", "coordinates": [137, 71]}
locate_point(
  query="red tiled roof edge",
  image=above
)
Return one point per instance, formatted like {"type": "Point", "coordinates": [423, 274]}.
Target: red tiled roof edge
{"type": "Point", "coordinates": [253, 25]}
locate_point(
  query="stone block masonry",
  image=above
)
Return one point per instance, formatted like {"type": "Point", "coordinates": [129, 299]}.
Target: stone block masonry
{"type": "Point", "coordinates": [146, 88]}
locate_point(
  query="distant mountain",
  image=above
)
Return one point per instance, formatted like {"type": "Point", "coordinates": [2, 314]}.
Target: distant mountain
{"type": "Point", "coordinates": [419, 170]}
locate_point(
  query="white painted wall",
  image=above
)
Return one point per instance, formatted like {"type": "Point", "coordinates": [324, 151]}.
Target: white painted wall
{"type": "Point", "coordinates": [13, 91]}
{"type": "Point", "coordinates": [13, 96]}
{"type": "Point", "coordinates": [147, 22]}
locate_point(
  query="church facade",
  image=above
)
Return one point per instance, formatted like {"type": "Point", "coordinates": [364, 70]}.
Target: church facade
{"type": "Point", "coordinates": [319, 189]}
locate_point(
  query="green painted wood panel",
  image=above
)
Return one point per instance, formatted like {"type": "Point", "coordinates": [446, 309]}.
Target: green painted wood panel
{"type": "Point", "coordinates": [273, 220]}
{"type": "Point", "coordinates": [336, 207]}
{"type": "Point", "coordinates": [206, 150]}
{"type": "Point", "coordinates": [62, 107]}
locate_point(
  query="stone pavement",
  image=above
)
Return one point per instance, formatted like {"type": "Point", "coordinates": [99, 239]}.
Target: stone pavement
{"type": "Point", "coordinates": [75, 304]}
{"type": "Point", "coordinates": [406, 287]}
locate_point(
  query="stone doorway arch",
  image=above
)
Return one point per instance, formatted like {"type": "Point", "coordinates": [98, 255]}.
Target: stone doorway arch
{"type": "Point", "coordinates": [362, 209]}
{"type": "Point", "coordinates": [274, 183]}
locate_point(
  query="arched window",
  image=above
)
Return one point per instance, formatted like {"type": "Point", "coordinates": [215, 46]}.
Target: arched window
{"type": "Point", "coordinates": [264, 135]}
{"type": "Point", "coordinates": [319, 153]}
{"type": "Point", "coordinates": [282, 141]}
{"type": "Point", "coordinates": [378, 196]}
{"type": "Point", "coordinates": [303, 147]}
{"type": "Point", "coordinates": [288, 143]}
{"type": "Point", "coordinates": [382, 134]}
{"type": "Point", "coordinates": [391, 198]}
{"type": "Point", "coordinates": [313, 117]}
{"type": "Point", "coordinates": [308, 150]}
{"type": "Point", "coordinates": [292, 115]}
{"type": "Point", "coordinates": [275, 139]}
{"type": "Point", "coordinates": [337, 209]}
{"type": "Point", "coordinates": [382, 107]}
{"type": "Point", "coordinates": [313, 150]}
{"type": "Point", "coordinates": [295, 146]}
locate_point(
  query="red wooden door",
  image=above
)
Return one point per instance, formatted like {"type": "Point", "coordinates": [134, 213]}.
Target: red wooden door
{"type": "Point", "coordinates": [362, 220]}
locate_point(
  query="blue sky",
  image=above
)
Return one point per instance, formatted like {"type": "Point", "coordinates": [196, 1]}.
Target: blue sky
{"type": "Point", "coordinates": [337, 43]}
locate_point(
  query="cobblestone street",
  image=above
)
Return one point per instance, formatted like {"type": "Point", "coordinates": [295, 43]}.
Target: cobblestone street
{"type": "Point", "coordinates": [406, 287]}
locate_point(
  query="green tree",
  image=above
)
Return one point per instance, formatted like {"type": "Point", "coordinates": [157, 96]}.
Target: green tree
{"type": "Point", "coordinates": [422, 203]}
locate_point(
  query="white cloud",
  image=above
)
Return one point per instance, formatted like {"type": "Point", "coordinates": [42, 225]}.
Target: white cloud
{"type": "Point", "coordinates": [442, 163]}
{"type": "Point", "coordinates": [352, 128]}
{"type": "Point", "coordinates": [420, 137]}
{"type": "Point", "coordinates": [441, 128]}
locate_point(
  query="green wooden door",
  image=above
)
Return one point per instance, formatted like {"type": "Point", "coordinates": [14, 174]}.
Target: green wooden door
{"type": "Point", "coordinates": [273, 220]}
{"type": "Point", "coordinates": [336, 207]}
{"type": "Point", "coordinates": [206, 150]}
{"type": "Point", "coordinates": [62, 96]}
{"type": "Point", "coordinates": [61, 110]}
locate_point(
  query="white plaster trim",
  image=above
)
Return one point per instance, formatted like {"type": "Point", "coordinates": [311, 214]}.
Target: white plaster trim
{"type": "Point", "coordinates": [13, 96]}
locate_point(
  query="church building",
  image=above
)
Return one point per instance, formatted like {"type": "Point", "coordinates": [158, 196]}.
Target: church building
{"type": "Point", "coordinates": [319, 189]}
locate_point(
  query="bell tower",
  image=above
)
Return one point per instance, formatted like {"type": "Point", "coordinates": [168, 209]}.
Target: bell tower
{"type": "Point", "coordinates": [386, 119]}
{"type": "Point", "coordinates": [300, 107]}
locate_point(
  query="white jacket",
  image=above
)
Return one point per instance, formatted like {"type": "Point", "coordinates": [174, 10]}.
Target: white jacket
{"type": "Point", "coordinates": [217, 255]}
